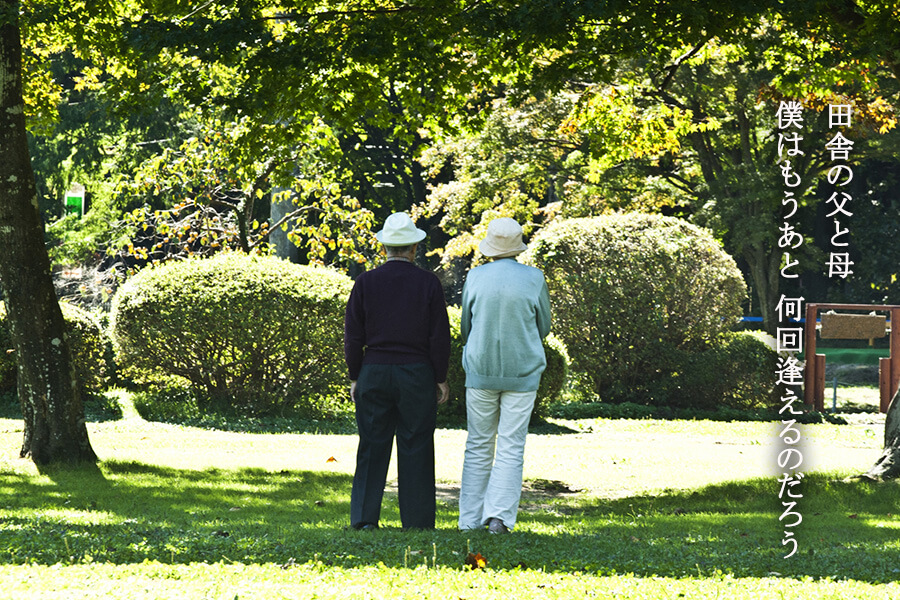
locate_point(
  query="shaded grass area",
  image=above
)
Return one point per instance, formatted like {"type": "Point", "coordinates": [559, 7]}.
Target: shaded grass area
{"type": "Point", "coordinates": [125, 513]}
{"type": "Point", "coordinates": [630, 410]}
{"type": "Point", "coordinates": [153, 521]}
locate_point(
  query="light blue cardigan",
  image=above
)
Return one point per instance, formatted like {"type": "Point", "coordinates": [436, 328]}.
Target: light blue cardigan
{"type": "Point", "coordinates": [505, 315]}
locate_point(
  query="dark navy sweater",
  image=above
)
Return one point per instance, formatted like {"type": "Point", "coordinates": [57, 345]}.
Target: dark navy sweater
{"type": "Point", "coordinates": [397, 315]}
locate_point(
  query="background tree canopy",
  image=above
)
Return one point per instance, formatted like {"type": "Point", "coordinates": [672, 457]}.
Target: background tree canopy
{"type": "Point", "coordinates": [257, 125]}
{"type": "Point", "coordinates": [461, 111]}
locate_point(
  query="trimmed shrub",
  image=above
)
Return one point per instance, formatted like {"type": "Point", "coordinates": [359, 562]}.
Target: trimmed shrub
{"type": "Point", "coordinates": [738, 371]}
{"type": "Point", "coordinates": [254, 335]}
{"type": "Point", "coordinates": [89, 344]}
{"type": "Point", "coordinates": [168, 401]}
{"type": "Point", "coordinates": [553, 380]}
{"type": "Point", "coordinates": [630, 291]}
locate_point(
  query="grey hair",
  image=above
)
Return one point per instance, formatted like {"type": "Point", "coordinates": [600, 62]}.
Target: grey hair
{"type": "Point", "coordinates": [397, 250]}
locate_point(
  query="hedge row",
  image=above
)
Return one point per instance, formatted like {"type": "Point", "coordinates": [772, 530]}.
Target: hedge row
{"type": "Point", "coordinates": [254, 335]}
{"type": "Point", "coordinates": [89, 344]}
{"type": "Point", "coordinates": [643, 305]}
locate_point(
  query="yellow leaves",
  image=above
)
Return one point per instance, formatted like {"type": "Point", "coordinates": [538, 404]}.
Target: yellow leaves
{"type": "Point", "coordinates": [618, 128]}
{"type": "Point", "coordinates": [89, 79]}
{"type": "Point", "coordinates": [874, 113]}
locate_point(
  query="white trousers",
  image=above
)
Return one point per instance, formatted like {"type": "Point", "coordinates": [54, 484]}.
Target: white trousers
{"type": "Point", "coordinates": [492, 485]}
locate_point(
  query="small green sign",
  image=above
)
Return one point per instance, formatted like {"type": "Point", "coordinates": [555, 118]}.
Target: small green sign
{"type": "Point", "coordinates": [74, 203]}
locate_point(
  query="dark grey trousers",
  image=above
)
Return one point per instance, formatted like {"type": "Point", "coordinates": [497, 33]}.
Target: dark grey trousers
{"type": "Point", "coordinates": [401, 400]}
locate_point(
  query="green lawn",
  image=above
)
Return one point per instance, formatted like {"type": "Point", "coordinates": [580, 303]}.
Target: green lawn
{"type": "Point", "coordinates": [623, 509]}
{"type": "Point", "coordinates": [857, 356]}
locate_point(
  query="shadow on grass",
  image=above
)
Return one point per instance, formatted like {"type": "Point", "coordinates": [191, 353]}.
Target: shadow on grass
{"type": "Point", "coordinates": [630, 410]}
{"type": "Point", "coordinates": [126, 513]}
{"type": "Point", "coordinates": [339, 424]}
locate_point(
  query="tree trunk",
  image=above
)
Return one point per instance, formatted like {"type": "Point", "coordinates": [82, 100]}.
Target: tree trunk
{"type": "Point", "coordinates": [51, 402]}
{"type": "Point", "coordinates": [765, 271]}
{"type": "Point", "coordinates": [888, 464]}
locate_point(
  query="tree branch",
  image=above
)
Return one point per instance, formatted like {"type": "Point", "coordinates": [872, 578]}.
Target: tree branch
{"type": "Point", "coordinates": [673, 68]}
{"type": "Point", "coordinates": [291, 215]}
{"type": "Point", "coordinates": [333, 14]}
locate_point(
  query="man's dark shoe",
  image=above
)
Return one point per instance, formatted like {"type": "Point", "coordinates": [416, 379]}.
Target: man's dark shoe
{"type": "Point", "coordinates": [366, 527]}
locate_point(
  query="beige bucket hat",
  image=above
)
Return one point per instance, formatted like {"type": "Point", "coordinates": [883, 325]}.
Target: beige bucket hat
{"type": "Point", "coordinates": [399, 230]}
{"type": "Point", "coordinates": [503, 239]}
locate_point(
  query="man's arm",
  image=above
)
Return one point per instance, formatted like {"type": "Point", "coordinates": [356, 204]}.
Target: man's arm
{"type": "Point", "coordinates": [439, 333]}
{"type": "Point", "coordinates": [354, 332]}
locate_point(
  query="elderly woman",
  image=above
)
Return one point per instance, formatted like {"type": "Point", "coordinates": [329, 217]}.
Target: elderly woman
{"type": "Point", "coordinates": [505, 315]}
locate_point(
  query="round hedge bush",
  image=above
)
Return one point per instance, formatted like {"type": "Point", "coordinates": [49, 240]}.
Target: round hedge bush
{"type": "Point", "coordinates": [88, 342]}
{"type": "Point", "coordinates": [629, 290]}
{"type": "Point", "coordinates": [257, 335]}
{"type": "Point", "coordinates": [737, 371]}
{"type": "Point", "coordinates": [553, 380]}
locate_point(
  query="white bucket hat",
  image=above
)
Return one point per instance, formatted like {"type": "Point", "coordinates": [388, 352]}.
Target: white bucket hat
{"type": "Point", "coordinates": [503, 239]}
{"type": "Point", "coordinates": [399, 230]}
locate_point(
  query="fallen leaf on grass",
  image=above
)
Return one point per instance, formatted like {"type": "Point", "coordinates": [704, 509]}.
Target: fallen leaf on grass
{"type": "Point", "coordinates": [476, 561]}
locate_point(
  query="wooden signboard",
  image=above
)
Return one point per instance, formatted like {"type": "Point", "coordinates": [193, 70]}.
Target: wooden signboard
{"type": "Point", "coordinates": [853, 327]}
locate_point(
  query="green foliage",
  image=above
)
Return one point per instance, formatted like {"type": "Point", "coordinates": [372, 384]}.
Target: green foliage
{"type": "Point", "coordinates": [628, 290]}
{"type": "Point", "coordinates": [735, 371]}
{"type": "Point", "coordinates": [517, 164]}
{"type": "Point", "coordinates": [173, 401]}
{"type": "Point", "coordinates": [618, 128]}
{"type": "Point", "coordinates": [167, 401]}
{"type": "Point", "coordinates": [213, 193]}
{"type": "Point", "coordinates": [89, 344]}
{"type": "Point", "coordinates": [91, 349]}
{"type": "Point", "coordinates": [553, 380]}
{"type": "Point", "coordinates": [251, 334]}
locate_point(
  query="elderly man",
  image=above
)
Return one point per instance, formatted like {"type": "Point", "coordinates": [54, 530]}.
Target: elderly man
{"type": "Point", "coordinates": [397, 348]}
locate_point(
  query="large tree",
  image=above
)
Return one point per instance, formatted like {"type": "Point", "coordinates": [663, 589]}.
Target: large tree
{"type": "Point", "coordinates": [51, 404]}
